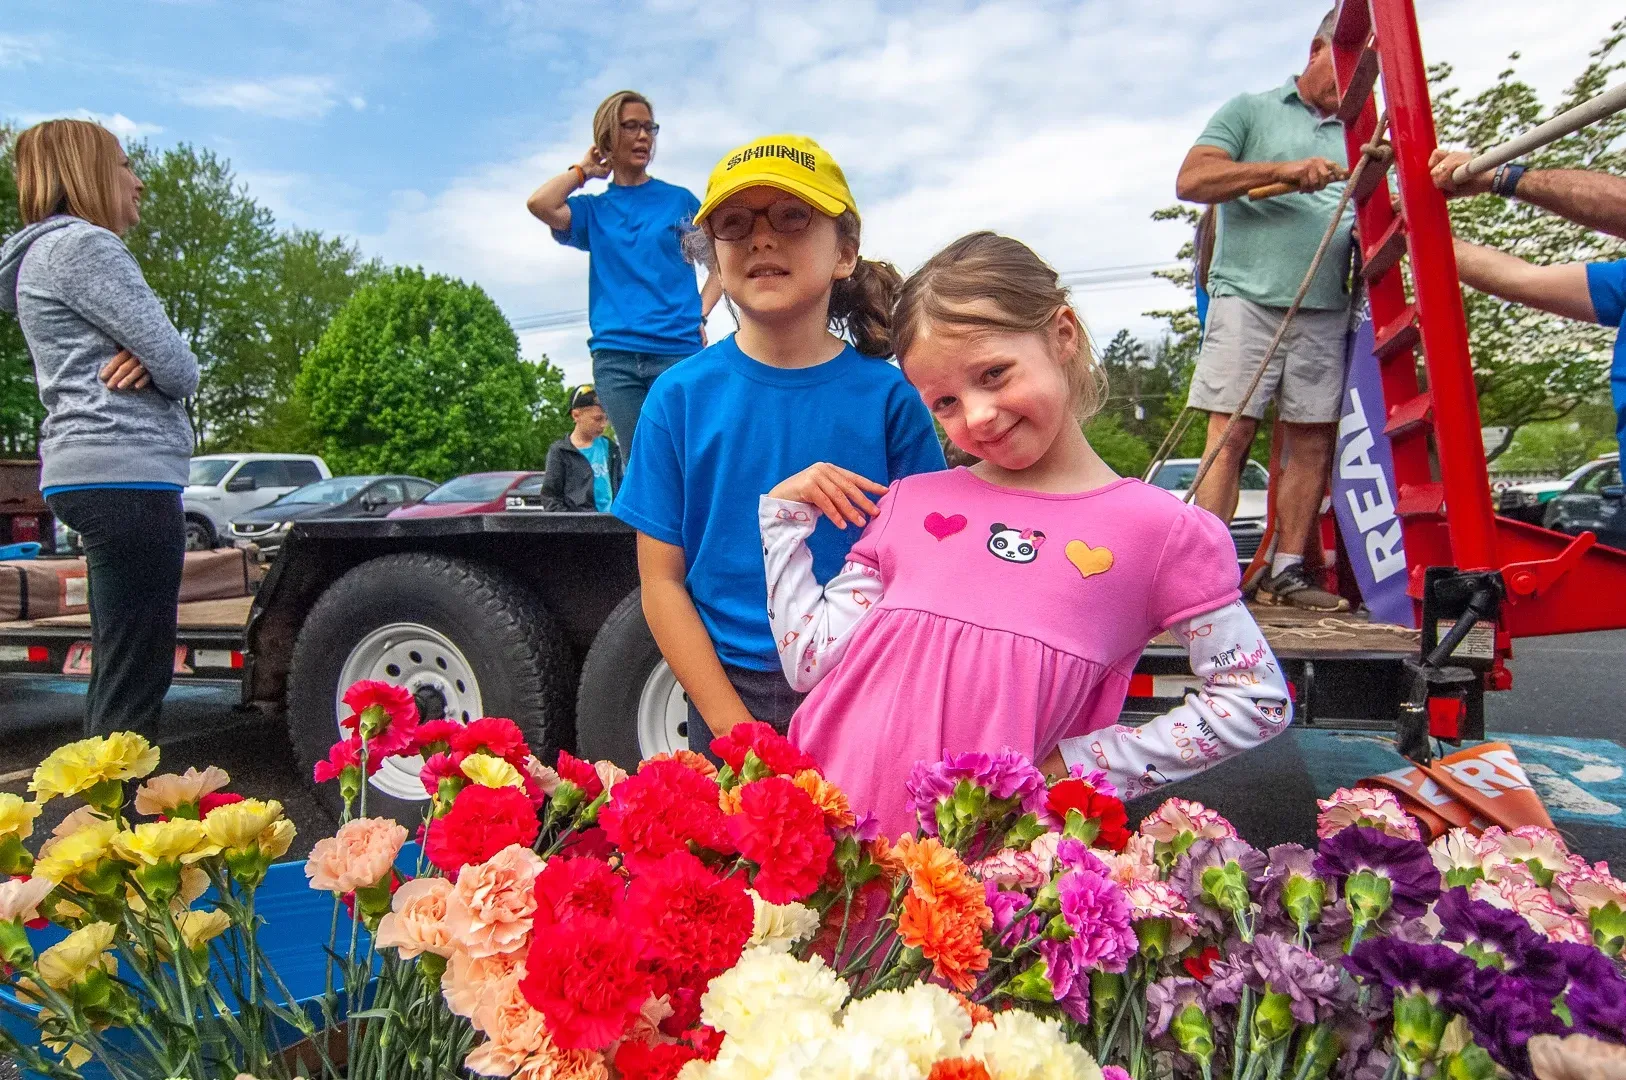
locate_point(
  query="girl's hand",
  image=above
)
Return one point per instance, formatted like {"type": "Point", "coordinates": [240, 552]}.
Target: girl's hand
{"type": "Point", "coordinates": [124, 372]}
{"type": "Point", "coordinates": [838, 493]}
{"type": "Point", "coordinates": [1054, 767]}
{"type": "Point", "coordinates": [594, 164]}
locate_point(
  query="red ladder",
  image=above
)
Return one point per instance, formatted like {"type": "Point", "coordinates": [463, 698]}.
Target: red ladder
{"type": "Point", "coordinates": [1554, 584]}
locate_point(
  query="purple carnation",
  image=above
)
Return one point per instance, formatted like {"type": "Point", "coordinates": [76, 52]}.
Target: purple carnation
{"type": "Point", "coordinates": [865, 829]}
{"type": "Point", "coordinates": [1414, 881]}
{"type": "Point", "coordinates": [1005, 775]}
{"type": "Point", "coordinates": [1187, 877]}
{"type": "Point", "coordinates": [1005, 904]}
{"type": "Point", "coordinates": [1283, 861]}
{"type": "Point", "coordinates": [1401, 967]}
{"type": "Point", "coordinates": [1100, 917]}
{"type": "Point", "coordinates": [1096, 778]}
{"type": "Point", "coordinates": [1168, 998]}
{"type": "Point", "coordinates": [1230, 973]}
{"type": "Point", "coordinates": [1595, 991]}
{"type": "Point", "coordinates": [1075, 855]}
{"type": "Point", "coordinates": [1486, 929]}
{"type": "Point", "coordinates": [1288, 969]}
{"type": "Point", "coordinates": [1070, 986]}
{"type": "Point", "coordinates": [1505, 1015]}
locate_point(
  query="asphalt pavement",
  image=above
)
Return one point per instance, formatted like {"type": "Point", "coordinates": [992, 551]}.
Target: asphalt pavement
{"type": "Point", "coordinates": [1564, 719]}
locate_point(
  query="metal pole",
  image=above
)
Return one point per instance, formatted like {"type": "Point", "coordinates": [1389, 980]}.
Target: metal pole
{"type": "Point", "coordinates": [1605, 104]}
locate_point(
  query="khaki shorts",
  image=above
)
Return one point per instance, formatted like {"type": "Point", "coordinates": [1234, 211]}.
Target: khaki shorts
{"type": "Point", "coordinates": [1306, 376]}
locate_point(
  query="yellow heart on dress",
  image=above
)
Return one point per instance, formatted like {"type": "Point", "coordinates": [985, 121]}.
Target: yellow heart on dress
{"type": "Point", "coordinates": [1090, 561]}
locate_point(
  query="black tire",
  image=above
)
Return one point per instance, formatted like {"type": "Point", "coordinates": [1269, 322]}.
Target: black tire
{"type": "Point", "coordinates": [200, 534]}
{"type": "Point", "coordinates": [623, 657]}
{"type": "Point", "coordinates": [518, 656]}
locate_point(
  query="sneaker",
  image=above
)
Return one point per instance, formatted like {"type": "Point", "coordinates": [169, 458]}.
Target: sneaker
{"type": "Point", "coordinates": [1293, 588]}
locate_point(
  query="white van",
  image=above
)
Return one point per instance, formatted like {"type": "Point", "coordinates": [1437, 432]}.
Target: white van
{"type": "Point", "coordinates": [222, 486]}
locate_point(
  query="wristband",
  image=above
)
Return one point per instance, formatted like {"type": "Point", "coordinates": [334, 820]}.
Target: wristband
{"type": "Point", "coordinates": [581, 175]}
{"type": "Point", "coordinates": [1505, 181]}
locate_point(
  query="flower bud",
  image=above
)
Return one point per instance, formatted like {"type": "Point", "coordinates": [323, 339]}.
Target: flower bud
{"type": "Point", "coordinates": [1317, 1053]}
{"type": "Point", "coordinates": [1367, 894]}
{"type": "Point", "coordinates": [1026, 830]}
{"type": "Point", "coordinates": [1032, 985]}
{"type": "Point", "coordinates": [1608, 924]}
{"type": "Point", "coordinates": [350, 784]}
{"type": "Point", "coordinates": [1419, 1026]}
{"type": "Point", "coordinates": [14, 858]}
{"type": "Point", "coordinates": [1194, 1033]}
{"type": "Point", "coordinates": [14, 947]}
{"type": "Point", "coordinates": [1154, 937]}
{"type": "Point", "coordinates": [1226, 887]}
{"type": "Point", "coordinates": [1273, 1020]}
{"type": "Point", "coordinates": [1079, 827]}
{"type": "Point", "coordinates": [1106, 991]}
{"type": "Point", "coordinates": [1303, 899]}
{"type": "Point", "coordinates": [1469, 1063]}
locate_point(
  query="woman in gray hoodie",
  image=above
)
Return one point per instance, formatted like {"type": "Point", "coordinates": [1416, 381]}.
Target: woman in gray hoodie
{"type": "Point", "coordinates": [114, 377]}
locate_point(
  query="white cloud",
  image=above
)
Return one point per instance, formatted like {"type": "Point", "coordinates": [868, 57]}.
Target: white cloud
{"type": "Point", "coordinates": [357, 102]}
{"type": "Point", "coordinates": [285, 97]}
{"type": "Point", "coordinates": [1060, 123]}
{"type": "Point", "coordinates": [119, 124]}
{"type": "Point", "coordinates": [16, 50]}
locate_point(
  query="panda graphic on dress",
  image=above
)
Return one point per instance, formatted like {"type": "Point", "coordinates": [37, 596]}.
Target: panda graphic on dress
{"type": "Point", "coordinates": [1012, 545]}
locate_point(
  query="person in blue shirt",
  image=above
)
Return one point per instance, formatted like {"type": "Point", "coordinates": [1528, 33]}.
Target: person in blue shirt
{"type": "Point", "coordinates": [583, 470]}
{"type": "Point", "coordinates": [784, 393]}
{"type": "Point", "coordinates": [643, 305]}
{"type": "Point", "coordinates": [1591, 292]}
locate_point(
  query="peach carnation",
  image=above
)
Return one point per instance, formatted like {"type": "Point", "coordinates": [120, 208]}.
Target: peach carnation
{"type": "Point", "coordinates": [469, 980]}
{"type": "Point", "coordinates": [357, 857]}
{"type": "Point", "coordinates": [556, 1064]}
{"type": "Point", "coordinates": [1135, 864]}
{"type": "Point", "coordinates": [688, 759]}
{"type": "Point", "coordinates": [20, 898]}
{"type": "Point", "coordinates": [546, 777]}
{"type": "Point", "coordinates": [168, 792]}
{"type": "Point", "coordinates": [416, 922]}
{"type": "Point", "coordinates": [1373, 808]}
{"type": "Point", "coordinates": [609, 774]}
{"type": "Point", "coordinates": [488, 912]}
{"type": "Point", "coordinates": [514, 1031]}
{"type": "Point", "coordinates": [838, 812]}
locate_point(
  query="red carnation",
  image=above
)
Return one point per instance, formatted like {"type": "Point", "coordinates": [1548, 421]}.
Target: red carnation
{"type": "Point", "coordinates": [583, 976]}
{"type": "Point", "coordinates": [694, 925]}
{"type": "Point", "coordinates": [567, 887]}
{"type": "Point", "coordinates": [481, 822]}
{"type": "Point", "coordinates": [1106, 811]}
{"type": "Point", "coordinates": [662, 1061]}
{"type": "Point", "coordinates": [216, 798]}
{"type": "Point", "coordinates": [392, 726]}
{"type": "Point", "coordinates": [661, 809]}
{"type": "Point", "coordinates": [707, 1040]}
{"type": "Point", "coordinates": [781, 830]}
{"type": "Point", "coordinates": [589, 843]}
{"type": "Point", "coordinates": [581, 773]}
{"type": "Point", "coordinates": [434, 736]}
{"type": "Point", "coordinates": [439, 767]}
{"type": "Point", "coordinates": [346, 754]}
{"type": "Point", "coordinates": [1201, 966]}
{"type": "Point", "coordinates": [774, 750]}
{"type": "Point", "coordinates": [496, 736]}
{"type": "Point", "coordinates": [684, 1001]}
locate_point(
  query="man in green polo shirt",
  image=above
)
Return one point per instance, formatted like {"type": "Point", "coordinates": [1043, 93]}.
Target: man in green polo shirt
{"type": "Point", "coordinates": [1261, 252]}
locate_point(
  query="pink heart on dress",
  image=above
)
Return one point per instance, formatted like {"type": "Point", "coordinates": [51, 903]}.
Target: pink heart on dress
{"type": "Point", "coordinates": [944, 527]}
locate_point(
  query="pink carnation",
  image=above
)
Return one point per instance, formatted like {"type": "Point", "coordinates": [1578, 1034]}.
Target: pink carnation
{"type": "Point", "coordinates": [1460, 849]}
{"type": "Point", "coordinates": [438, 767]}
{"type": "Point", "coordinates": [392, 727]}
{"type": "Point", "coordinates": [416, 922]}
{"type": "Point", "coordinates": [1590, 887]}
{"type": "Point", "coordinates": [1177, 817]}
{"type": "Point", "coordinates": [1542, 850]}
{"type": "Point", "coordinates": [360, 855]}
{"type": "Point", "coordinates": [489, 911]}
{"type": "Point", "coordinates": [1535, 905]}
{"type": "Point", "coordinates": [1028, 869]}
{"type": "Point", "coordinates": [1135, 863]}
{"type": "Point", "coordinates": [1373, 808]}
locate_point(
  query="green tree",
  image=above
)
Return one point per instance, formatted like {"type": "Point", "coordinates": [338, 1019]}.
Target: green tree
{"type": "Point", "coordinates": [1531, 367]}
{"type": "Point", "coordinates": [20, 409]}
{"type": "Point", "coordinates": [422, 374]}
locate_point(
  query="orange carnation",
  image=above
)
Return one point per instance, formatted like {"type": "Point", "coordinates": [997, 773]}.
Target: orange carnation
{"type": "Point", "coordinates": [688, 759]}
{"type": "Point", "coordinates": [948, 931]}
{"type": "Point", "coordinates": [728, 799]}
{"type": "Point", "coordinates": [838, 812]}
{"type": "Point", "coordinates": [980, 1014]}
{"type": "Point", "coordinates": [959, 1069]}
{"type": "Point", "coordinates": [936, 872]}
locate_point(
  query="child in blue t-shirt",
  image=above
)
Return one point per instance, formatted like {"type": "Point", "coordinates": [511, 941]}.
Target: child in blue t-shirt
{"type": "Point", "coordinates": [784, 393]}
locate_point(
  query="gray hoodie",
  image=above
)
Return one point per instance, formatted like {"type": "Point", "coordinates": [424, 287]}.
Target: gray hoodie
{"type": "Point", "coordinates": [80, 297]}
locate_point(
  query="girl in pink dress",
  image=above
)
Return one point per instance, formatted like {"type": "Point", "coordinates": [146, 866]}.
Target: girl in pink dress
{"type": "Point", "coordinates": [1006, 604]}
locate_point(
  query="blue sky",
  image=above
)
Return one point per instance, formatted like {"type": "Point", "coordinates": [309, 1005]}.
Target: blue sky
{"type": "Point", "coordinates": [419, 128]}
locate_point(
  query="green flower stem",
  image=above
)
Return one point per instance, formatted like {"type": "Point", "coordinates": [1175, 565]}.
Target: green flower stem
{"type": "Point", "coordinates": [1131, 984]}
{"type": "Point", "coordinates": [1239, 1045]}
{"type": "Point", "coordinates": [846, 915]}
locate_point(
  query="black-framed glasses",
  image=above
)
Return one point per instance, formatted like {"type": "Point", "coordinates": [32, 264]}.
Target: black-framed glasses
{"type": "Point", "coordinates": [736, 222]}
{"type": "Point", "coordinates": [633, 127]}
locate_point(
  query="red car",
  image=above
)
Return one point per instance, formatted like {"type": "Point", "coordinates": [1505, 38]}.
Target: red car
{"type": "Point", "coordinates": [476, 493]}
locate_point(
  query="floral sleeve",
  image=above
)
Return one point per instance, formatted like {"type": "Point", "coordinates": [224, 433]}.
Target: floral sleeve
{"type": "Point", "coordinates": [812, 624]}
{"type": "Point", "coordinates": [1242, 703]}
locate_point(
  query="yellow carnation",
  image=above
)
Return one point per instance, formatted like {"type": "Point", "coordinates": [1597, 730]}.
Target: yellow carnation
{"type": "Point", "coordinates": [69, 856]}
{"type": "Point", "coordinates": [154, 842]}
{"type": "Point", "coordinates": [237, 825]}
{"type": "Point", "coordinates": [69, 960]}
{"type": "Point", "coordinates": [17, 816]}
{"type": "Point", "coordinates": [277, 839]}
{"type": "Point", "coordinates": [82, 765]}
{"type": "Point", "coordinates": [491, 772]}
{"type": "Point", "coordinates": [200, 927]}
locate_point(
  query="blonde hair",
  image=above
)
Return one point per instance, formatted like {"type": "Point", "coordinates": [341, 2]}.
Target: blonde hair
{"type": "Point", "coordinates": [1024, 292]}
{"type": "Point", "coordinates": [68, 167]}
{"type": "Point", "coordinates": [607, 118]}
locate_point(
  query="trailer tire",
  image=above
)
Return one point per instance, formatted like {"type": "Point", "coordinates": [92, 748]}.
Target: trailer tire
{"type": "Point", "coordinates": [629, 705]}
{"type": "Point", "coordinates": [493, 630]}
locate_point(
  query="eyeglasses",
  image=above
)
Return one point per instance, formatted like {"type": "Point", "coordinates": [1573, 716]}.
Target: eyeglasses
{"type": "Point", "coordinates": [737, 222]}
{"type": "Point", "coordinates": [633, 127]}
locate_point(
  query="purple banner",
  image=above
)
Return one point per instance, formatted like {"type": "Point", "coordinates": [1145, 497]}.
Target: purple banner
{"type": "Point", "coordinates": [1363, 489]}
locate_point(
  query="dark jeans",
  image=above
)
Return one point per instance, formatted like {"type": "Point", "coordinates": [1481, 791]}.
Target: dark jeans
{"type": "Point", "coordinates": [767, 696]}
{"type": "Point", "coordinates": [622, 380]}
{"type": "Point", "coordinates": [135, 547]}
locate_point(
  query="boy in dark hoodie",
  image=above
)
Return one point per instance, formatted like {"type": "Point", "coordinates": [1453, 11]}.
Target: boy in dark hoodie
{"type": "Point", "coordinates": [583, 471]}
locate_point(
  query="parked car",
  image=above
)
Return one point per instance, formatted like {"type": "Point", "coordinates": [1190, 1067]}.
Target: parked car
{"type": "Point", "coordinates": [1528, 501]}
{"type": "Point", "coordinates": [1248, 523]}
{"type": "Point", "coordinates": [222, 487]}
{"type": "Point", "coordinates": [1592, 504]}
{"type": "Point", "coordinates": [265, 528]}
{"type": "Point", "coordinates": [476, 493]}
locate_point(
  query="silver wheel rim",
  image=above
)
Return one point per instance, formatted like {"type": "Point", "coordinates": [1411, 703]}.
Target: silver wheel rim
{"type": "Point", "coordinates": [414, 656]}
{"type": "Point", "coordinates": [663, 714]}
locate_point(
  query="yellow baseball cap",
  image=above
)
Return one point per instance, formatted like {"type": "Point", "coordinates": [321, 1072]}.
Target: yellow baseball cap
{"type": "Point", "coordinates": [793, 163]}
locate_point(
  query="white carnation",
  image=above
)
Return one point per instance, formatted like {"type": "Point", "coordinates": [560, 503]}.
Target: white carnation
{"type": "Point", "coordinates": [770, 983]}
{"type": "Point", "coordinates": [755, 1049]}
{"type": "Point", "coordinates": [924, 1020]}
{"type": "Point", "coordinates": [778, 927]}
{"type": "Point", "coordinates": [846, 1056]}
{"type": "Point", "coordinates": [1020, 1046]}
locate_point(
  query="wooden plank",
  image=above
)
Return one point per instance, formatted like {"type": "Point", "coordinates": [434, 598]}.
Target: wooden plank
{"type": "Point", "coordinates": [231, 614]}
{"type": "Point", "coordinates": [1294, 633]}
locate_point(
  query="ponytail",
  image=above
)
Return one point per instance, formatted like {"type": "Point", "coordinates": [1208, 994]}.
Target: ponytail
{"type": "Point", "coordinates": [861, 304]}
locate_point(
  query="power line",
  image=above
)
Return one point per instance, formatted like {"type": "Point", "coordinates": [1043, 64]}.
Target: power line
{"type": "Point", "coordinates": [1099, 279]}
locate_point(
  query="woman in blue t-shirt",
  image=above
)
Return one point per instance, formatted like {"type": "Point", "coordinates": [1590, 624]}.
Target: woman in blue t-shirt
{"type": "Point", "coordinates": [644, 307]}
